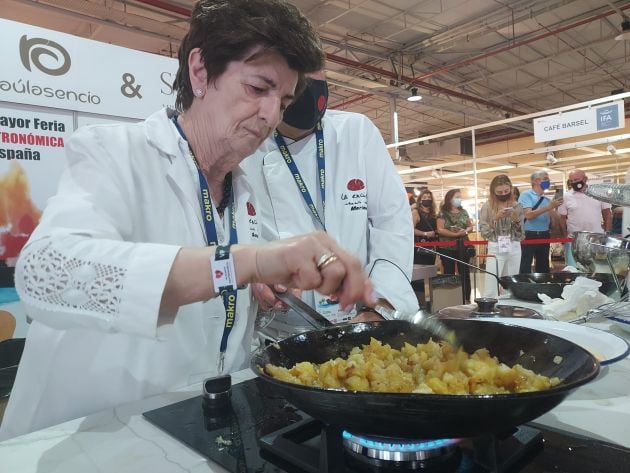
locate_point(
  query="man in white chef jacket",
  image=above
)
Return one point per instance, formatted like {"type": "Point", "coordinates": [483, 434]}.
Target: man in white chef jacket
{"type": "Point", "coordinates": [330, 171]}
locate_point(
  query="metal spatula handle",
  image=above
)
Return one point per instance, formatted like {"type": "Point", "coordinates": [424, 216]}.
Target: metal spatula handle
{"type": "Point", "coordinates": [303, 309]}
{"type": "Point", "coordinates": [434, 326]}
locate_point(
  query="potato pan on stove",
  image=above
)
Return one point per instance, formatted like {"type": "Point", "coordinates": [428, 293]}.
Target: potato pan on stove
{"type": "Point", "coordinates": [426, 416]}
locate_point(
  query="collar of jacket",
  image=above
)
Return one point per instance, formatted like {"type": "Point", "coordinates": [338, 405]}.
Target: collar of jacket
{"type": "Point", "coordinates": [161, 133]}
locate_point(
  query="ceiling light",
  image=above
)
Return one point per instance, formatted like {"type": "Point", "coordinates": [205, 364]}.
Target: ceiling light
{"type": "Point", "coordinates": [625, 31]}
{"type": "Point", "coordinates": [414, 97]}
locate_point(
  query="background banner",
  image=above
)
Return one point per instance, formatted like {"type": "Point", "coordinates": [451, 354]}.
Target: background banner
{"type": "Point", "coordinates": [50, 84]}
{"type": "Point", "coordinates": [32, 158]}
{"type": "Point", "coordinates": [51, 69]}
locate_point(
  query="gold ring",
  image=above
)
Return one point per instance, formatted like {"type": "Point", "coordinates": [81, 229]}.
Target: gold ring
{"type": "Point", "coordinates": [325, 260]}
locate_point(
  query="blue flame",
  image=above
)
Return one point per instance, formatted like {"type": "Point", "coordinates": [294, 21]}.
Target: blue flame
{"type": "Point", "coordinates": [398, 447]}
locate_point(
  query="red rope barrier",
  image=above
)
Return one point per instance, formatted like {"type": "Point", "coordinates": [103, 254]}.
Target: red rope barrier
{"type": "Point", "coordinates": [534, 241]}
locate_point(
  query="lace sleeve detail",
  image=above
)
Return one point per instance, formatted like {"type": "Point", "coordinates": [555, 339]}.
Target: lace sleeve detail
{"type": "Point", "coordinates": [53, 279]}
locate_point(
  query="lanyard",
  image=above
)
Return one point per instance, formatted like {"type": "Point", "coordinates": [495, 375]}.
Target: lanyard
{"type": "Point", "coordinates": [229, 297]}
{"type": "Point", "coordinates": [321, 172]}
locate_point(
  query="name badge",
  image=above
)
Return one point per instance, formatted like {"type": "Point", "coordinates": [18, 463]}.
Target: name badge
{"type": "Point", "coordinates": [330, 308]}
{"type": "Point", "coordinates": [505, 243]}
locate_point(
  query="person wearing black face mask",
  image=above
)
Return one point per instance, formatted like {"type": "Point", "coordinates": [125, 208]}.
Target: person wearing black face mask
{"type": "Point", "coordinates": [425, 229]}
{"type": "Point", "coordinates": [330, 170]}
{"type": "Point", "coordinates": [501, 223]}
{"type": "Point", "coordinates": [581, 212]}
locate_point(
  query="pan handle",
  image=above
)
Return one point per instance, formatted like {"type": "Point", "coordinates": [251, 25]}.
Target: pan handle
{"type": "Point", "coordinates": [465, 263]}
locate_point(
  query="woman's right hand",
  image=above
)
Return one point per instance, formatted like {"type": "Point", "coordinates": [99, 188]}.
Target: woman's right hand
{"type": "Point", "coordinates": [429, 234]}
{"type": "Point", "coordinates": [297, 262]}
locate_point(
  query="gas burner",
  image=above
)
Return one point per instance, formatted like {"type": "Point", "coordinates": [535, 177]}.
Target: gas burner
{"type": "Point", "coordinates": [382, 451]}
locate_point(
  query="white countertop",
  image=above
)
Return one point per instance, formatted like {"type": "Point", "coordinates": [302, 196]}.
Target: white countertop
{"type": "Point", "coordinates": [121, 441]}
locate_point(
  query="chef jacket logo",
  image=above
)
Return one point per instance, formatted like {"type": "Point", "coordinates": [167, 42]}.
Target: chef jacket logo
{"type": "Point", "coordinates": [355, 185]}
{"type": "Point", "coordinates": [356, 199]}
{"type": "Point", "coordinates": [218, 274]}
{"type": "Point", "coordinates": [31, 50]}
{"type": "Point", "coordinates": [251, 210]}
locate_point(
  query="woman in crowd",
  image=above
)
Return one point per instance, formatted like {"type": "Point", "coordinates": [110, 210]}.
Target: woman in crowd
{"type": "Point", "coordinates": [454, 224]}
{"type": "Point", "coordinates": [153, 221]}
{"type": "Point", "coordinates": [501, 223]}
{"type": "Point", "coordinates": [425, 227]}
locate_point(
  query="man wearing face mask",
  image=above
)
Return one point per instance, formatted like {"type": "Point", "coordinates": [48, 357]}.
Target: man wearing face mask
{"type": "Point", "coordinates": [536, 208]}
{"type": "Point", "coordinates": [329, 170]}
{"type": "Point", "coordinates": [581, 212]}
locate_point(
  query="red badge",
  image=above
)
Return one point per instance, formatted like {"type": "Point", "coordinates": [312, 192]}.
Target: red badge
{"type": "Point", "coordinates": [355, 185]}
{"type": "Point", "coordinates": [251, 211]}
{"type": "Point", "coordinates": [321, 103]}
{"type": "Point", "coordinates": [218, 274]}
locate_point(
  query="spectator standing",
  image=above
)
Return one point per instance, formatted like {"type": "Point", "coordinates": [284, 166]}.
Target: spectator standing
{"type": "Point", "coordinates": [454, 224]}
{"type": "Point", "coordinates": [425, 227]}
{"type": "Point", "coordinates": [581, 212]}
{"type": "Point", "coordinates": [536, 208]}
{"type": "Point", "coordinates": [501, 223]}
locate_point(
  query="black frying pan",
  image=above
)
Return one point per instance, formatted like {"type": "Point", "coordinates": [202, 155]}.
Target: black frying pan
{"type": "Point", "coordinates": [424, 416]}
{"type": "Point", "coordinates": [528, 286]}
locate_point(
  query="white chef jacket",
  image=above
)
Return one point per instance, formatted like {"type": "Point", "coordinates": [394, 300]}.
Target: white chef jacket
{"type": "Point", "coordinates": [367, 210]}
{"type": "Point", "coordinates": [126, 204]}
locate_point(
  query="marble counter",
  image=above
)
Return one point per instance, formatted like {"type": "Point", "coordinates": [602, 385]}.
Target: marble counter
{"type": "Point", "coordinates": [121, 441]}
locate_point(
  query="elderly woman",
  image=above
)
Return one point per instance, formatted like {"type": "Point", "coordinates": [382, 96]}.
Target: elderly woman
{"type": "Point", "coordinates": [153, 221]}
{"type": "Point", "coordinates": [501, 223]}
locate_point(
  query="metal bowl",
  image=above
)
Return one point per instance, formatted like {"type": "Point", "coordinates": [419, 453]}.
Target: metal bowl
{"type": "Point", "coordinates": [593, 250]}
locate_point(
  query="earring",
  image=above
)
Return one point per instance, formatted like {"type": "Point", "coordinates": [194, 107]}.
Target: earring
{"type": "Point", "coordinates": [199, 93]}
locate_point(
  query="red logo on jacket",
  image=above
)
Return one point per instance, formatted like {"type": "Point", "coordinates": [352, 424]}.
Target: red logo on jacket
{"type": "Point", "coordinates": [251, 210]}
{"type": "Point", "coordinates": [355, 185]}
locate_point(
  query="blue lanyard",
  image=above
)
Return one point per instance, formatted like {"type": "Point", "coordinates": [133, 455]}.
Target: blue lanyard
{"type": "Point", "coordinates": [297, 177]}
{"type": "Point", "coordinates": [229, 297]}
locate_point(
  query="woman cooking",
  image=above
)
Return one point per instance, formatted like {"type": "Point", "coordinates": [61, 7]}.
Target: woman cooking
{"type": "Point", "coordinates": [153, 221]}
{"type": "Point", "coordinates": [454, 224]}
{"type": "Point", "coordinates": [501, 223]}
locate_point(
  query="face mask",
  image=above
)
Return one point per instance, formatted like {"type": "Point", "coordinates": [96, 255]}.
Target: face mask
{"type": "Point", "coordinates": [457, 202]}
{"type": "Point", "coordinates": [308, 108]}
{"type": "Point", "coordinates": [503, 198]}
{"type": "Point", "coordinates": [577, 186]}
{"type": "Point", "coordinates": [544, 185]}
{"type": "Point", "coordinates": [426, 203]}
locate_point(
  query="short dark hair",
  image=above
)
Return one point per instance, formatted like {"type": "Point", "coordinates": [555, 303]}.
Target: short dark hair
{"type": "Point", "coordinates": [226, 30]}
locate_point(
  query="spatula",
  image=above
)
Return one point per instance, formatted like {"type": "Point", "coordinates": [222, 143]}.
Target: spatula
{"type": "Point", "coordinates": [422, 320]}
